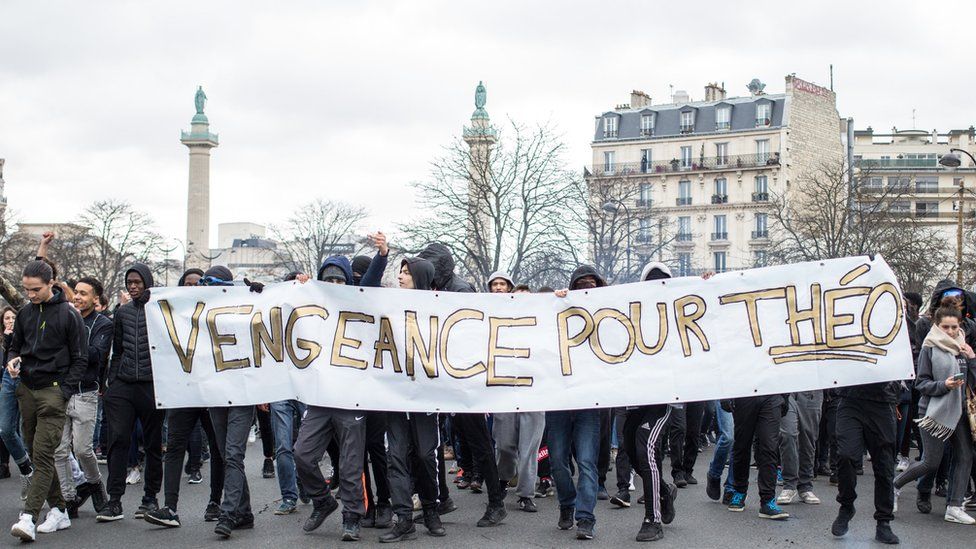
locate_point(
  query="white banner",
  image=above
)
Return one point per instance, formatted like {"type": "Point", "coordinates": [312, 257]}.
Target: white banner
{"type": "Point", "coordinates": [774, 330]}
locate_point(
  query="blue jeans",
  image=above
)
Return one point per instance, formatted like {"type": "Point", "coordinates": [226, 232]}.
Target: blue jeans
{"type": "Point", "coordinates": [723, 446]}
{"type": "Point", "coordinates": [283, 418]}
{"type": "Point", "coordinates": [10, 419]}
{"type": "Point", "coordinates": [575, 433]}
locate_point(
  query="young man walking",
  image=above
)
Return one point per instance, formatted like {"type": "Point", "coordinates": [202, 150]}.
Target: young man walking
{"type": "Point", "coordinates": [48, 352]}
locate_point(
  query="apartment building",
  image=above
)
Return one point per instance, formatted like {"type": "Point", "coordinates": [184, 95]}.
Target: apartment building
{"type": "Point", "coordinates": [707, 169]}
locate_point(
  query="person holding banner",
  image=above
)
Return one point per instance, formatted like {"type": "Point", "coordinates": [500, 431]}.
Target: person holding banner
{"type": "Point", "coordinates": [413, 435]}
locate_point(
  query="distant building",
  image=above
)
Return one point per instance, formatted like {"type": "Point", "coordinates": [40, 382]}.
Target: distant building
{"type": "Point", "coordinates": [244, 249]}
{"type": "Point", "coordinates": [708, 168]}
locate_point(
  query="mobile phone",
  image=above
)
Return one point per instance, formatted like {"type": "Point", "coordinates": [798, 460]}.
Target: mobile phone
{"type": "Point", "coordinates": [959, 376]}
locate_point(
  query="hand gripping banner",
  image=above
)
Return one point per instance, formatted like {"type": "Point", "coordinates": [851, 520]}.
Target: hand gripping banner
{"type": "Point", "coordinates": [773, 330]}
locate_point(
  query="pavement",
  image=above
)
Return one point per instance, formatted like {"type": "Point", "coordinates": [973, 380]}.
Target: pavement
{"type": "Point", "coordinates": [700, 522]}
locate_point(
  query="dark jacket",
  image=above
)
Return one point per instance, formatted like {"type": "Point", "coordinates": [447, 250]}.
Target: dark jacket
{"type": "Point", "coordinates": [586, 270]}
{"type": "Point", "coordinates": [887, 392]}
{"type": "Point", "coordinates": [924, 323]}
{"type": "Point", "coordinates": [98, 330]}
{"type": "Point", "coordinates": [130, 345]}
{"type": "Point", "coordinates": [373, 278]}
{"type": "Point", "coordinates": [444, 278]}
{"type": "Point", "coordinates": [50, 340]}
{"type": "Point", "coordinates": [422, 272]}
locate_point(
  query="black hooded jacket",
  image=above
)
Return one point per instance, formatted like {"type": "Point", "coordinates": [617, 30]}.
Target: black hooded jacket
{"type": "Point", "coordinates": [50, 339]}
{"type": "Point", "coordinates": [583, 271]}
{"type": "Point", "coordinates": [924, 323]}
{"type": "Point", "coordinates": [98, 333]}
{"type": "Point", "coordinates": [422, 272]}
{"type": "Point", "coordinates": [444, 278]}
{"type": "Point", "coordinates": [130, 346]}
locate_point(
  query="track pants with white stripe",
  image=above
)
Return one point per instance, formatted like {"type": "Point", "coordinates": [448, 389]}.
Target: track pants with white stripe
{"type": "Point", "coordinates": [642, 435]}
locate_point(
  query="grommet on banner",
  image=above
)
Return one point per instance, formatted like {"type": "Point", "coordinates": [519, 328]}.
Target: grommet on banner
{"type": "Point", "coordinates": [229, 402]}
{"type": "Point", "coordinates": [362, 290]}
{"type": "Point", "coordinates": [835, 382]}
{"type": "Point", "coordinates": [676, 398]}
{"type": "Point", "coordinates": [159, 404]}
{"type": "Point", "coordinates": [224, 290]}
{"type": "Point", "coordinates": [755, 390]}
{"type": "Point", "coordinates": [153, 347]}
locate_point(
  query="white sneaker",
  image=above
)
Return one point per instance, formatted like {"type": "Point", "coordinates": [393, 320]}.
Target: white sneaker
{"type": "Point", "coordinates": [25, 484]}
{"type": "Point", "coordinates": [957, 515]}
{"type": "Point", "coordinates": [24, 529]}
{"type": "Point", "coordinates": [134, 477]}
{"type": "Point", "coordinates": [632, 487]}
{"type": "Point", "coordinates": [902, 464]}
{"type": "Point", "coordinates": [56, 520]}
{"type": "Point", "coordinates": [894, 508]}
{"type": "Point", "coordinates": [252, 437]}
{"type": "Point", "coordinates": [809, 498]}
{"type": "Point", "coordinates": [786, 497]}
{"type": "Point", "coordinates": [417, 506]}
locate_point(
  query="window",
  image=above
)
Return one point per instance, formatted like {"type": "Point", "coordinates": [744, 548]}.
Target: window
{"type": "Point", "coordinates": [900, 207]}
{"type": "Point", "coordinates": [684, 264]}
{"type": "Point", "coordinates": [721, 228]}
{"type": "Point", "coordinates": [927, 209]}
{"type": "Point", "coordinates": [760, 258]}
{"type": "Point", "coordinates": [872, 183]}
{"type": "Point", "coordinates": [723, 118]}
{"type": "Point", "coordinates": [647, 124]}
{"type": "Point", "coordinates": [762, 150]}
{"type": "Point", "coordinates": [721, 153]}
{"type": "Point", "coordinates": [684, 192]}
{"type": "Point", "coordinates": [608, 161]}
{"type": "Point", "coordinates": [721, 195]}
{"type": "Point", "coordinates": [687, 121]}
{"type": "Point", "coordinates": [720, 266]}
{"type": "Point", "coordinates": [684, 228]}
{"type": "Point", "coordinates": [645, 195]}
{"type": "Point", "coordinates": [643, 230]}
{"type": "Point", "coordinates": [610, 126]}
{"type": "Point", "coordinates": [763, 114]}
{"type": "Point", "coordinates": [761, 192]}
{"type": "Point", "coordinates": [899, 183]}
{"type": "Point", "coordinates": [927, 184]}
{"type": "Point", "coordinates": [686, 157]}
{"type": "Point", "coordinates": [762, 226]}
{"type": "Point", "coordinates": [645, 161]}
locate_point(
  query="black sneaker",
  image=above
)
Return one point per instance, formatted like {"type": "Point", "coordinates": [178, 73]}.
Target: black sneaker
{"type": "Point", "coordinates": [545, 488]}
{"type": "Point", "coordinates": [566, 517]}
{"type": "Point", "coordinates": [690, 479]}
{"type": "Point", "coordinates": [71, 506]}
{"type": "Point", "coordinates": [212, 513]}
{"type": "Point", "coordinates": [350, 528]}
{"type": "Point", "coordinates": [244, 523]}
{"type": "Point", "coordinates": [924, 502]}
{"type": "Point", "coordinates": [602, 494]}
{"type": "Point", "coordinates": [148, 505]}
{"type": "Point", "coordinates": [527, 505]}
{"type": "Point", "coordinates": [679, 479]}
{"type": "Point", "coordinates": [446, 506]}
{"type": "Point", "coordinates": [493, 516]}
{"type": "Point", "coordinates": [621, 499]}
{"type": "Point", "coordinates": [369, 519]}
{"type": "Point", "coordinates": [650, 531]}
{"type": "Point", "coordinates": [584, 529]}
{"type": "Point", "coordinates": [832, 480]}
{"type": "Point", "coordinates": [727, 497]}
{"type": "Point", "coordinates": [769, 510]}
{"type": "Point", "coordinates": [384, 516]}
{"type": "Point", "coordinates": [667, 502]}
{"type": "Point", "coordinates": [319, 512]}
{"type": "Point", "coordinates": [476, 486]}
{"type": "Point", "coordinates": [713, 487]}
{"type": "Point", "coordinates": [402, 530]}
{"type": "Point", "coordinates": [110, 512]}
{"type": "Point", "coordinates": [195, 478]}
{"type": "Point", "coordinates": [98, 496]}
{"type": "Point", "coordinates": [268, 470]}
{"type": "Point", "coordinates": [224, 527]}
{"type": "Point", "coordinates": [432, 521]}
{"type": "Point", "coordinates": [839, 527]}
{"type": "Point", "coordinates": [163, 517]}
{"type": "Point", "coordinates": [640, 500]}
{"type": "Point", "coordinates": [883, 533]}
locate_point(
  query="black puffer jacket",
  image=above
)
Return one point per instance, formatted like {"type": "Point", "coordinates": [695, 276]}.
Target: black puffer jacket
{"type": "Point", "coordinates": [444, 278]}
{"type": "Point", "coordinates": [130, 346]}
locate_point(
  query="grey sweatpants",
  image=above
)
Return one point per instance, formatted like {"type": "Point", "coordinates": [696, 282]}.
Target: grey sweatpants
{"type": "Point", "coordinates": [319, 425]}
{"type": "Point", "coordinates": [79, 425]}
{"type": "Point", "coordinates": [231, 426]}
{"type": "Point", "coordinates": [517, 437]}
{"type": "Point", "coordinates": [798, 439]}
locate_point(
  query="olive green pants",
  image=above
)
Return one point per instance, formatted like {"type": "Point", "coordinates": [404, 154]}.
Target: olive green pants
{"type": "Point", "coordinates": [43, 413]}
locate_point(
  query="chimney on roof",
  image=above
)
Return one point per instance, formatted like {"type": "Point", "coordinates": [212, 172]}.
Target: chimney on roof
{"type": "Point", "coordinates": [681, 96]}
{"type": "Point", "coordinates": [714, 92]}
{"type": "Point", "coordinates": [639, 99]}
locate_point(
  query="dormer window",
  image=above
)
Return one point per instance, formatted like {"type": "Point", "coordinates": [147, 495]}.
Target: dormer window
{"type": "Point", "coordinates": [647, 125]}
{"type": "Point", "coordinates": [764, 114]}
{"type": "Point", "coordinates": [610, 126]}
{"type": "Point", "coordinates": [723, 118]}
{"type": "Point", "coordinates": [687, 121]}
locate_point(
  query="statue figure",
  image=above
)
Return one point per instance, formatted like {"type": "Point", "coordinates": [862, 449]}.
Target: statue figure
{"type": "Point", "coordinates": [480, 96]}
{"type": "Point", "coordinates": [756, 87]}
{"type": "Point", "coordinates": [200, 99]}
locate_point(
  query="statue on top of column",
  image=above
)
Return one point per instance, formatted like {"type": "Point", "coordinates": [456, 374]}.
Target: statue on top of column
{"type": "Point", "coordinates": [200, 100]}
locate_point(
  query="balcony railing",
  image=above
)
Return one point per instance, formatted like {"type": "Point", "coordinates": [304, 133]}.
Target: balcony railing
{"type": "Point", "coordinates": [760, 122]}
{"type": "Point", "coordinates": [723, 125]}
{"type": "Point", "coordinates": [609, 133]}
{"type": "Point", "coordinates": [643, 202]}
{"type": "Point", "coordinates": [727, 162]}
{"type": "Point", "coordinates": [643, 238]}
{"type": "Point", "coordinates": [720, 236]}
{"type": "Point", "coordinates": [687, 129]}
{"type": "Point", "coordinates": [683, 237]}
{"type": "Point", "coordinates": [760, 234]}
{"type": "Point", "coordinates": [926, 213]}
{"type": "Point", "coordinates": [647, 132]}
{"type": "Point", "coordinates": [897, 163]}
{"type": "Point", "coordinates": [683, 201]}
{"type": "Point", "coordinates": [720, 198]}
{"type": "Point", "coordinates": [760, 197]}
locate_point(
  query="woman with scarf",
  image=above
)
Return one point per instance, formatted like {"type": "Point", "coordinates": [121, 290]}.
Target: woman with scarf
{"type": "Point", "coordinates": [945, 365]}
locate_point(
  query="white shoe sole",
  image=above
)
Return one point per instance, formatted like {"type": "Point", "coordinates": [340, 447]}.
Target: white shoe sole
{"type": "Point", "coordinates": [954, 520]}
{"type": "Point", "coordinates": [106, 518]}
{"type": "Point", "coordinates": [56, 529]}
{"type": "Point", "coordinates": [22, 534]}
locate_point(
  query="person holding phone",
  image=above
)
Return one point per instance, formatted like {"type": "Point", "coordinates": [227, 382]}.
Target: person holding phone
{"type": "Point", "coordinates": [944, 364]}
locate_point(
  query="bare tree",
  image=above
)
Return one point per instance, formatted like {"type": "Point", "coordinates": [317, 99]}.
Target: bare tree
{"type": "Point", "coordinates": [826, 216]}
{"type": "Point", "coordinates": [315, 231]}
{"type": "Point", "coordinates": [499, 212]}
{"type": "Point", "coordinates": [117, 236]}
{"type": "Point", "coordinates": [16, 249]}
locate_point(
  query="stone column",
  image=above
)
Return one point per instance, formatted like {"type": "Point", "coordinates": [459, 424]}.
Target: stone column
{"type": "Point", "coordinates": [199, 141]}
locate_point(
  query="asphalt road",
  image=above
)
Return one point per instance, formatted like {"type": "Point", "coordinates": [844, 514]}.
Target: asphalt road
{"type": "Point", "coordinates": [699, 523]}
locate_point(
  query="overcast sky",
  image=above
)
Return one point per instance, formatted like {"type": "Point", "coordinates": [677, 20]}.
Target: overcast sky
{"type": "Point", "coordinates": [351, 100]}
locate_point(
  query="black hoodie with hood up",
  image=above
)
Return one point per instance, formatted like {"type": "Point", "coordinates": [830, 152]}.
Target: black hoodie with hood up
{"type": "Point", "coordinates": [130, 346]}
{"type": "Point", "coordinates": [924, 322]}
{"type": "Point", "coordinates": [51, 341]}
{"type": "Point", "coordinates": [422, 272]}
{"type": "Point", "coordinates": [584, 271]}
{"type": "Point", "coordinates": [444, 278]}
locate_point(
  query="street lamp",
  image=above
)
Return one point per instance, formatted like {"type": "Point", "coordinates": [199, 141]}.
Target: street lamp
{"type": "Point", "coordinates": [952, 160]}
{"type": "Point", "coordinates": [612, 206]}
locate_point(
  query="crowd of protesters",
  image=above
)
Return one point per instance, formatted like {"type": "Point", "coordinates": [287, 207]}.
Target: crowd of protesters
{"type": "Point", "coordinates": [77, 391]}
